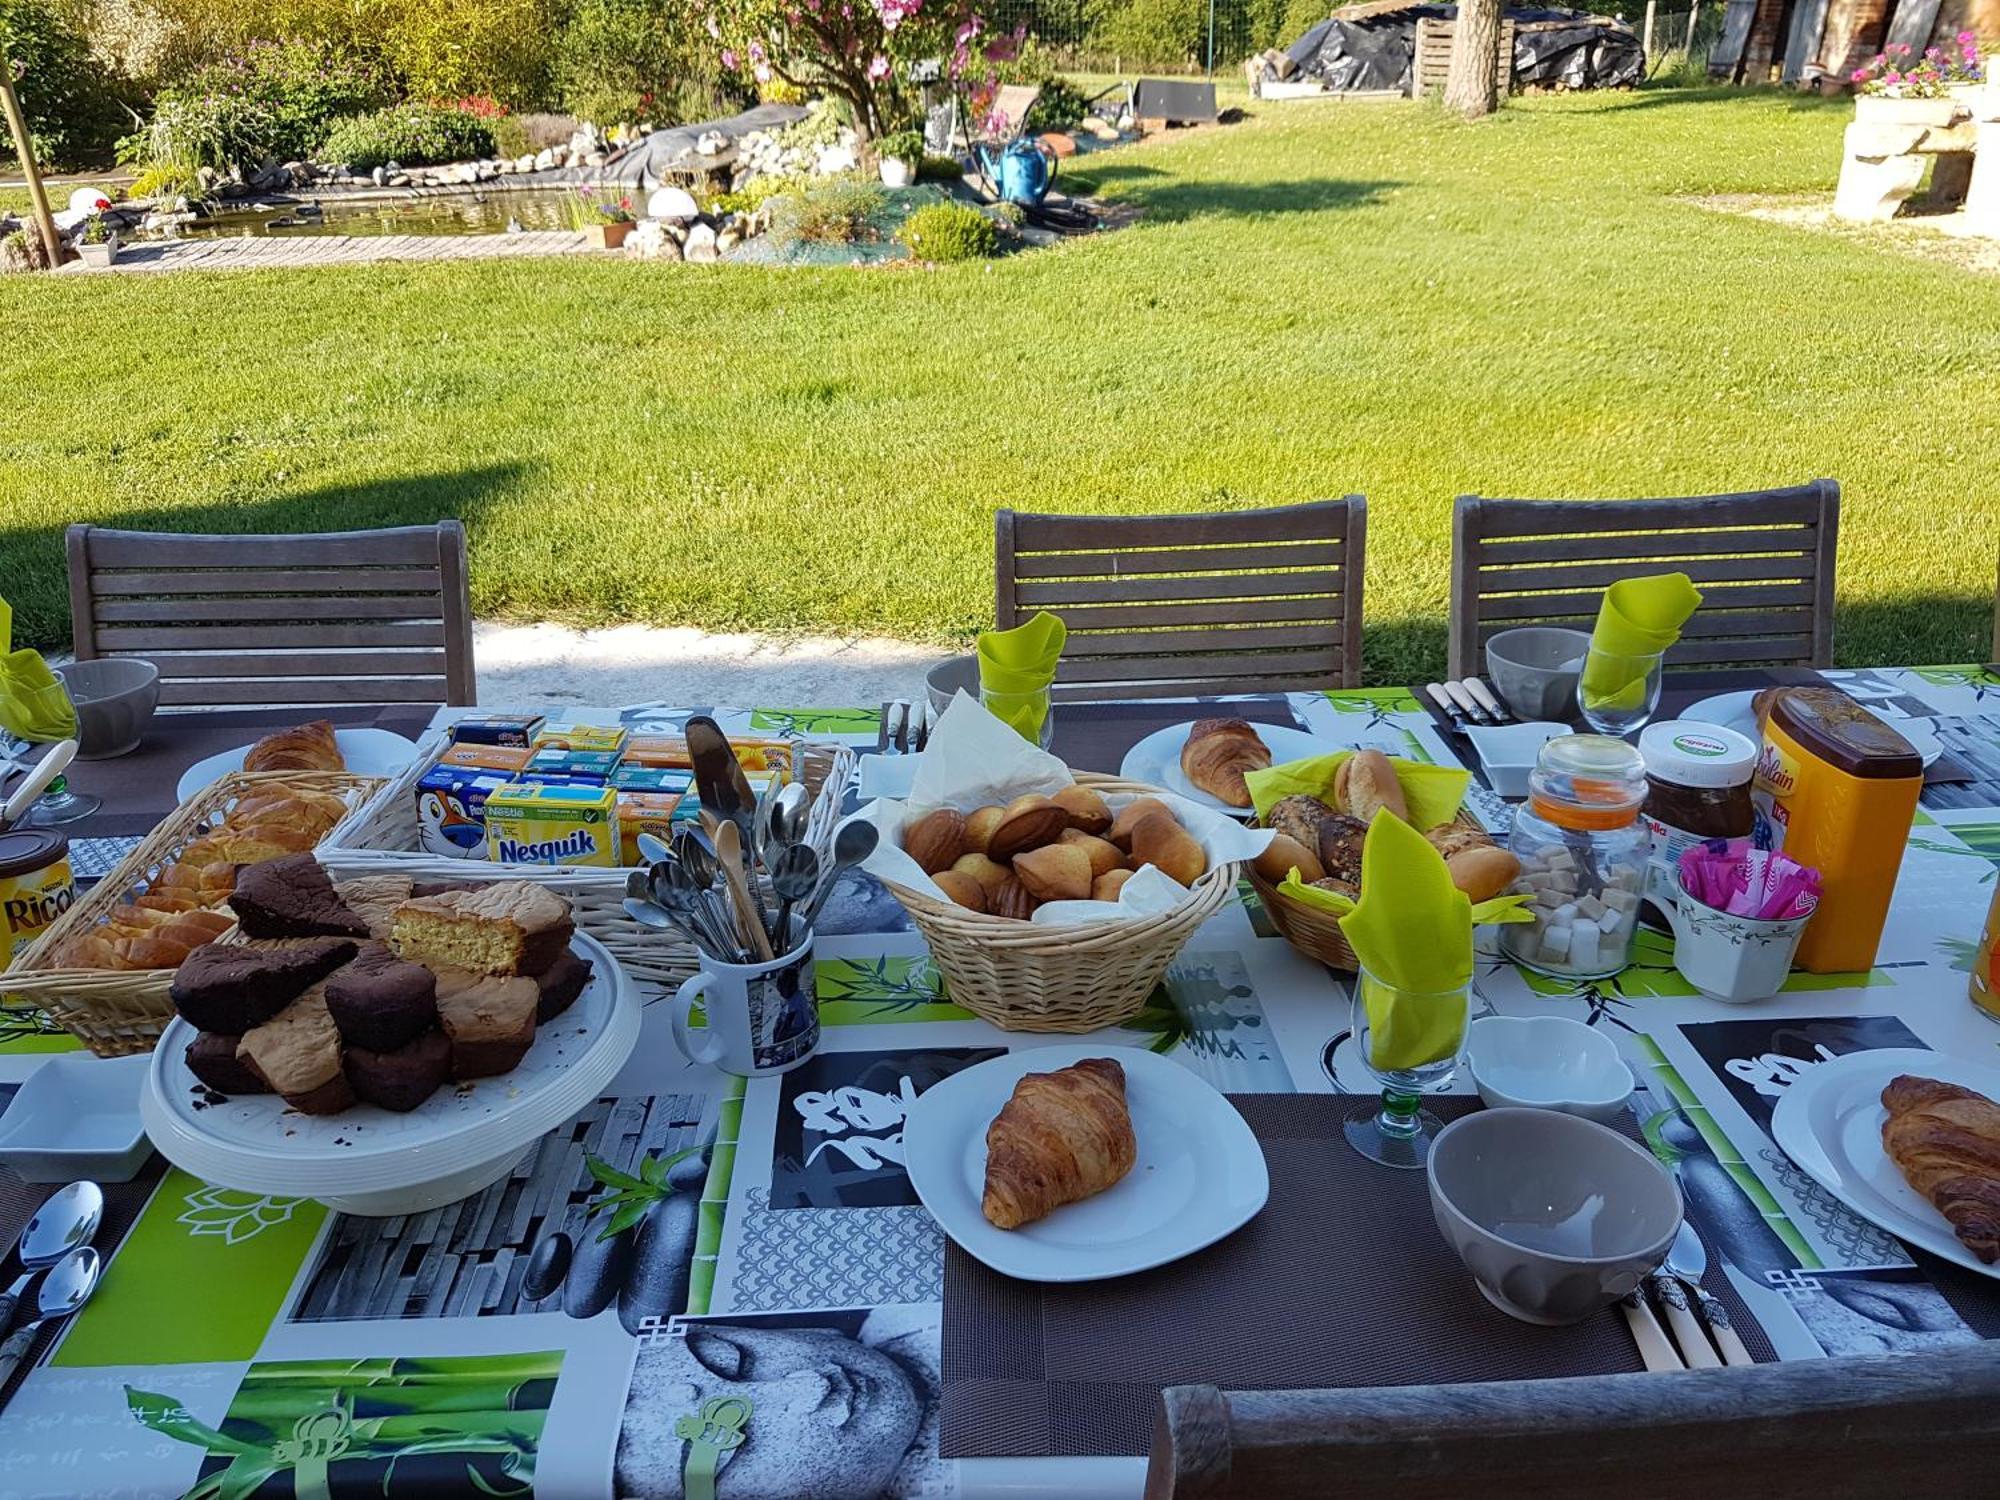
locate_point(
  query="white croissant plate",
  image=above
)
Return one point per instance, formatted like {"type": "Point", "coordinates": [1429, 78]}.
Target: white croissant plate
{"type": "Point", "coordinates": [1200, 1173]}
{"type": "Point", "coordinates": [1156, 760]}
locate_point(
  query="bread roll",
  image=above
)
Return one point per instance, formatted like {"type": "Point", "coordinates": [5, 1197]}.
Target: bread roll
{"type": "Point", "coordinates": [1055, 872]}
{"type": "Point", "coordinates": [1285, 855]}
{"type": "Point", "coordinates": [1366, 784]}
{"type": "Point", "coordinates": [1483, 872]}
{"type": "Point", "coordinates": [979, 826]}
{"type": "Point", "coordinates": [1131, 815]}
{"type": "Point", "coordinates": [1341, 840]}
{"type": "Point", "coordinates": [1453, 838]}
{"type": "Point", "coordinates": [1104, 855]}
{"type": "Point", "coordinates": [1087, 809]}
{"type": "Point", "coordinates": [1107, 886]}
{"type": "Point", "coordinates": [1298, 817]}
{"type": "Point", "coordinates": [1161, 841]}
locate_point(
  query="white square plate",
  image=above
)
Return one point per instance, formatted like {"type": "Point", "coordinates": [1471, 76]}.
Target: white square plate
{"type": "Point", "coordinates": [77, 1116]}
{"type": "Point", "coordinates": [1199, 1175]}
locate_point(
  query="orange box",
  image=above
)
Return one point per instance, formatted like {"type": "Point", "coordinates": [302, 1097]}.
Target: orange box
{"type": "Point", "coordinates": [486, 757]}
{"type": "Point", "coordinates": [649, 812]}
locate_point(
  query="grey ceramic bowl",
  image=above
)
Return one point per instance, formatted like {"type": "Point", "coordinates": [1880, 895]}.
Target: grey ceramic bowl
{"type": "Point", "coordinates": [947, 678]}
{"type": "Point", "coordinates": [1556, 1217]}
{"type": "Point", "coordinates": [1534, 669]}
{"type": "Point", "coordinates": [115, 697]}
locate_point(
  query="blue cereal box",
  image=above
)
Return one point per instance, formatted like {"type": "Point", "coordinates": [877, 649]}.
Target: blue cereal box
{"type": "Point", "coordinates": [451, 810]}
{"type": "Point", "coordinates": [593, 763]}
{"type": "Point", "coordinates": [607, 737]}
{"type": "Point", "coordinates": [630, 778]}
{"type": "Point", "coordinates": [517, 730]}
{"type": "Point", "coordinates": [532, 823]}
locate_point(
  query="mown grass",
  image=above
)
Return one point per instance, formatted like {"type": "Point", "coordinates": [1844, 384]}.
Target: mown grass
{"type": "Point", "coordinates": [1327, 298]}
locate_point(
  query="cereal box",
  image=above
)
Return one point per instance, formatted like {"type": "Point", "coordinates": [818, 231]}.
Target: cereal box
{"type": "Point", "coordinates": [631, 778]}
{"type": "Point", "coordinates": [651, 812]}
{"type": "Point", "coordinates": [531, 823]}
{"type": "Point", "coordinates": [552, 762]}
{"type": "Point", "coordinates": [607, 737]}
{"type": "Point", "coordinates": [496, 729]}
{"type": "Point", "coordinates": [671, 750]}
{"type": "Point", "coordinates": [508, 758]}
{"type": "Point", "coordinates": [451, 810]}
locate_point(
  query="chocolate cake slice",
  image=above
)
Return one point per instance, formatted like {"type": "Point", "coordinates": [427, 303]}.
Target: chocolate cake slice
{"type": "Point", "coordinates": [402, 1078]}
{"type": "Point", "coordinates": [292, 896]}
{"type": "Point", "coordinates": [297, 1052]}
{"type": "Point", "coordinates": [229, 987]}
{"type": "Point", "coordinates": [559, 985]}
{"type": "Point", "coordinates": [211, 1057]}
{"type": "Point", "coordinates": [380, 1001]}
{"type": "Point", "coordinates": [490, 1021]}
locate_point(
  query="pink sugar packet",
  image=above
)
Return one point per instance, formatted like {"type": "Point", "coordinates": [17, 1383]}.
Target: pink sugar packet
{"type": "Point", "coordinates": [1733, 876]}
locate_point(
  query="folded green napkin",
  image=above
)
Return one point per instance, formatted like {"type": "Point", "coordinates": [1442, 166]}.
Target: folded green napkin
{"type": "Point", "coordinates": [1639, 618]}
{"type": "Point", "coordinates": [33, 702]}
{"type": "Point", "coordinates": [1015, 669]}
{"type": "Point", "coordinates": [1433, 793]}
{"type": "Point", "coordinates": [1412, 932]}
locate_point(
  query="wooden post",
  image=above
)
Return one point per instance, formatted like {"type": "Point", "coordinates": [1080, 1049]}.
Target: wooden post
{"type": "Point", "coordinates": [1646, 35]}
{"type": "Point", "coordinates": [17, 123]}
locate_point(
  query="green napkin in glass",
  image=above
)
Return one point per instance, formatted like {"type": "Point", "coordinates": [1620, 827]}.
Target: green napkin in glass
{"type": "Point", "coordinates": [1639, 618]}
{"type": "Point", "coordinates": [1432, 793]}
{"type": "Point", "coordinates": [33, 702]}
{"type": "Point", "coordinates": [1016, 668]}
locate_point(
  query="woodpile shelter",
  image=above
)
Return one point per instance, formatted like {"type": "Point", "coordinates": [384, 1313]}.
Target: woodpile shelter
{"type": "Point", "coordinates": [1815, 41]}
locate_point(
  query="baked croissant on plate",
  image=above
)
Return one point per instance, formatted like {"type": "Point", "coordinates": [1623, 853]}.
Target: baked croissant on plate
{"type": "Point", "coordinates": [1062, 1137]}
{"type": "Point", "coordinates": [1946, 1141]}
{"type": "Point", "coordinates": [1218, 752]}
{"type": "Point", "coordinates": [304, 747]}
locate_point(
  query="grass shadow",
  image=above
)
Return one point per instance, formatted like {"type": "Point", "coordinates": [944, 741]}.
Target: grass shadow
{"type": "Point", "coordinates": [32, 559]}
{"type": "Point", "coordinates": [1659, 95]}
{"type": "Point", "coordinates": [1173, 198]}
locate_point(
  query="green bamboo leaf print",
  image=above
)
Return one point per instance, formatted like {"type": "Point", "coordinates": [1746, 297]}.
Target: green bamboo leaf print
{"type": "Point", "coordinates": [816, 720]}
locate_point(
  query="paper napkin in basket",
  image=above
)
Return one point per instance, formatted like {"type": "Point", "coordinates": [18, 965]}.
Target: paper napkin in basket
{"type": "Point", "coordinates": [1433, 793]}
{"type": "Point", "coordinates": [1022, 662]}
{"type": "Point", "coordinates": [1639, 617]}
{"type": "Point", "coordinates": [33, 701]}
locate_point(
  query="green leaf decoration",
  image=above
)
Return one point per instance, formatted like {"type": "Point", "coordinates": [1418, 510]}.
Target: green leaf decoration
{"type": "Point", "coordinates": [654, 1171]}
{"type": "Point", "coordinates": [609, 1175]}
{"type": "Point", "coordinates": [629, 1214]}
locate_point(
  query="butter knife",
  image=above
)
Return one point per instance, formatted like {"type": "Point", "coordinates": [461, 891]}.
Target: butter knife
{"type": "Point", "coordinates": [719, 783]}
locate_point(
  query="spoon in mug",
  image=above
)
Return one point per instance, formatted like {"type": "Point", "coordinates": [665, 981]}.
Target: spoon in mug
{"type": "Point", "coordinates": [794, 878]}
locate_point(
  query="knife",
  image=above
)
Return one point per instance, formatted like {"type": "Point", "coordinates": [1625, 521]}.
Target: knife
{"type": "Point", "coordinates": [719, 783]}
{"type": "Point", "coordinates": [1452, 711]}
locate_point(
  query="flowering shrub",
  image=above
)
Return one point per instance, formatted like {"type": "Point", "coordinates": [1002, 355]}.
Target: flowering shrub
{"type": "Point", "coordinates": [949, 231]}
{"type": "Point", "coordinates": [411, 135]}
{"type": "Point", "coordinates": [831, 212]}
{"type": "Point", "coordinates": [861, 51]}
{"type": "Point", "coordinates": [1897, 72]}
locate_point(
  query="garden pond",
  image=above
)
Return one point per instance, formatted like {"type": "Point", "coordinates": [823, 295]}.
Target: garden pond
{"type": "Point", "coordinates": [470, 212]}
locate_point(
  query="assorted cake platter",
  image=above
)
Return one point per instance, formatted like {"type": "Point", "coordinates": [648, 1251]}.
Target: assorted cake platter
{"type": "Point", "coordinates": [371, 1161]}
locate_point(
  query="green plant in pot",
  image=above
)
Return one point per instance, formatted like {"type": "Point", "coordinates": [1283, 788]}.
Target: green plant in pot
{"type": "Point", "coordinates": [605, 218]}
{"type": "Point", "coordinates": [900, 154]}
{"type": "Point", "coordinates": [99, 246]}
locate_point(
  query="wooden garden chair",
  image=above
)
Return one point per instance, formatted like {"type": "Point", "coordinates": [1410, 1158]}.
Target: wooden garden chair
{"type": "Point", "coordinates": [1803, 1430]}
{"type": "Point", "coordinates": [333, 617]}
{"type": "Point", "coordinates": [1764, 562]}
{"type": "Point", "coordinates": [1247, 601]}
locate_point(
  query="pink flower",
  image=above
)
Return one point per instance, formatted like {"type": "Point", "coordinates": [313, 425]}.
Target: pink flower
{"type": "Point", "coordinates": [1859, 75]}
{"type": "Point", "coordinates": [756, 51]}
{"type": "Point", "coordinates": [729, 58]}
{"type": "Point", "coordinates": [1966, 39]}
{"type": "Point", "coordinates": [1892, 77]}
{"type": "Point", "coordinates": [878, 66]}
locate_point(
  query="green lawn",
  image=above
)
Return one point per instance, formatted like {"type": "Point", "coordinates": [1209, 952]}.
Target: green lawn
{"type": "Point", "coordinates": [1327, 298]}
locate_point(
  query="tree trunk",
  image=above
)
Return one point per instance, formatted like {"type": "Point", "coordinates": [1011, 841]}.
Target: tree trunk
{"type": "Point", "coordinates": [1471, 88]}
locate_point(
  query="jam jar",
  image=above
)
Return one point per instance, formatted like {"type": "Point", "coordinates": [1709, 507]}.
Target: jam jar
{"type": "Point", "coordinates": [1584, 852]}
{"type": "Point", "coordinates": [1697, 788]}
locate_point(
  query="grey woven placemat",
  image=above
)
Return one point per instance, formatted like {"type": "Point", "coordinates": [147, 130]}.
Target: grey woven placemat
{"type": "Point", "coordinates": [1342, 1280]}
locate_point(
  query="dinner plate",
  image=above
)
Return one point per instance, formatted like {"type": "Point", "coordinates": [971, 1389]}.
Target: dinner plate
{"type": "Point", "coordinates": [1734, 711]}
{"type": "Point", "coordinates": [1830, 1123]}
{"type": "Point", "coordinates": [367, 751]}
{"type": "Point", "coordinates": [1199, 1175]}
{"type": "Point", "coordinates": [367, 1160]}
{"type": "Point", "coordinates": [1156, 759]}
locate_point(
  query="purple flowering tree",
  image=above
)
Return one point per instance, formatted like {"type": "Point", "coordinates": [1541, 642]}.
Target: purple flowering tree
{"type": "Point", "coordinates": [858, 50]}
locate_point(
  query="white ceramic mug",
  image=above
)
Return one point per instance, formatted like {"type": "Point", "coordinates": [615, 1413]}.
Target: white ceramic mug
{"type": "Point", "coordinates": [1736, 960]}
{"type": "Point", "coordinates": [763, 1019]}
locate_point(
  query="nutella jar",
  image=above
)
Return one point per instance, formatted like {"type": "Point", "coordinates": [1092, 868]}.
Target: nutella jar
{"type": "Point", "coordinates": [1697, 787]}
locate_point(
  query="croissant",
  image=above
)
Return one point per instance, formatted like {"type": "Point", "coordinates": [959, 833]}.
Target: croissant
{"type": "Point", "coordinates": [304, 747]}
{"type": "Point", "coordinates": [1061, 1137]}
{"type": "Point", "coordinates": [1946, 1141]}
{"type": "Point", "coordinates": [1218, 752]}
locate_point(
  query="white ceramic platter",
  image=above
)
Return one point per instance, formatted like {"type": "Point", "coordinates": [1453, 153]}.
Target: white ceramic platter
{"type": "Point", "coordinates": [367, 751]}
{"type": "Point", "coordinates": [1734, 711]}
{"type": "Point", "coordinates": [367, 1160]}
{"type": "Point", "coordinates": [1199, 1175]}
{"type": "Point", "coordinates": [1156, 759]}
{"type": "Point", "coordinates": [1830, 1123]}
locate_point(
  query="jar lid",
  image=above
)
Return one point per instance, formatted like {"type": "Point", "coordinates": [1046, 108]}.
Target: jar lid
{"type": "Point", "coordinates": [1827, 723]}
{"type": "Point", "coordinates": [1588, 781]}
{"type": "Point", "coordinates": [26, 849]}
{"type": "Point", "coordinates": [1688, 753]}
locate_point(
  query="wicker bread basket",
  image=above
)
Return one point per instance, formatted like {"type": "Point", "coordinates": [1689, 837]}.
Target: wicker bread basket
{"type": "Point", "coordinates": [1024, 977]}
{"type": "Point", "coordinates": [1310, 929]}
{"type": "Point", "coordinates": [115, 1012]}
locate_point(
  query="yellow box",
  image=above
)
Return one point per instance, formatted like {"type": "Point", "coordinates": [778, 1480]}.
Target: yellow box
{"type": "Point", "coordinates": [487, 757]}
{"type": "Point", "coordinates": [654, 813]}
{"type": "Point", "coordinates": [580, 737]}
{"type": "Point", "coordinates": [528, 823]}
{"type": "Point", "coordinates": [670, 751]}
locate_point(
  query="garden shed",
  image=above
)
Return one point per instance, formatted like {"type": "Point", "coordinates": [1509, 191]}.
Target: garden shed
{"type": "Point", "coordinates": [1807, 41]}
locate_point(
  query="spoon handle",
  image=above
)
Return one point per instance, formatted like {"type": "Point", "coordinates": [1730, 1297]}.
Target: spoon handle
{"type": "Point", "coordinates": [19, 1342]}
{"type": "Point", "coordinates": [9, 1301]}
{"type": "Point", "coordinates": [729, 847]}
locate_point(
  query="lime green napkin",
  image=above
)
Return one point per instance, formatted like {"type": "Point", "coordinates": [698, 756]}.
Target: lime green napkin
{"type": "Point", "coordinates": [1640, 617]}
{"type": "Point", "coordinates": [33, 702]}
{"type": "Point", "coordinates": [1432, 792]}
{"type": "Point", "coordinates": [1015, 669]}
{"type": "Point", "coordinates": [1412, 932]}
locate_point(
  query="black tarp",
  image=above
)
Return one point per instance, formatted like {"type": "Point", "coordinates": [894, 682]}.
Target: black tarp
{"type": "Point", "coordinates": [1570, 49]}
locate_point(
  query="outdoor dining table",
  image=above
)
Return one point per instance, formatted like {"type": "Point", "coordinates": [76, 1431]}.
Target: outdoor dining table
{"type": "Point", "coordinates": [833, 1344]}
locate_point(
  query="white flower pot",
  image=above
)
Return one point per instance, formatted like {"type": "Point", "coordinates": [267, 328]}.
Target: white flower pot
{"type": "Point", "coordinates": [1882, 109]}
{"type": "Point", "coordinates": [897, 174]}
{"type": "Point", "coordinates": [101, 255]}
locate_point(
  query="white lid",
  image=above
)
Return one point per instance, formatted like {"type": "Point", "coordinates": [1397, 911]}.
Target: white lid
{"type": "Point", "coordinates": [1692, 754]}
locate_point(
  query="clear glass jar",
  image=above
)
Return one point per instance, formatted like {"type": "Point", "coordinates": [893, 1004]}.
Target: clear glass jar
{"type": "Point", "coordinates": [1584, 851]}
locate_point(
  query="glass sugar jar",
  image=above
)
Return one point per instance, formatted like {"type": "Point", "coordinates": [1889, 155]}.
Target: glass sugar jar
{"type": "Point", "coordinates": [1584, 852]}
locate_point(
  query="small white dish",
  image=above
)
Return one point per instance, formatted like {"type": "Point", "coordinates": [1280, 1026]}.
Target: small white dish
{"type": "Point", "coordinates": [367, 751]}
{"type": "Point", "coordinates": [1200, 1173]}
{"type": "Point", "coordinates": [1156, 760]}
{"type": "Point", "coordinates": [1735, 711]}
{"type": "Point", "coordinates": [1507, 752]}
{"type": "Point", "coordinates": [1830, 1123]}
{"type": "Point", "coordinates": [1548, 1062]}
{"type": "Point", "coordinates": [77, 1116]}
{"type": "Point", "coordinates": [886, 777]}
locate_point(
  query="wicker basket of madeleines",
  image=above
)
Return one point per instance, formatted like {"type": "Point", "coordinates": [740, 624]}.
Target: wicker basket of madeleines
{"type": "Point", "coordinates": [1322, 840]}
{"type": "Point", "coordinates": [999, 863]}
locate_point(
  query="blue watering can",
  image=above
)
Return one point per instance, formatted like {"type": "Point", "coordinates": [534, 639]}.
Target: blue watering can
{"type": "Point", "coordinates": [1025, 171]}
